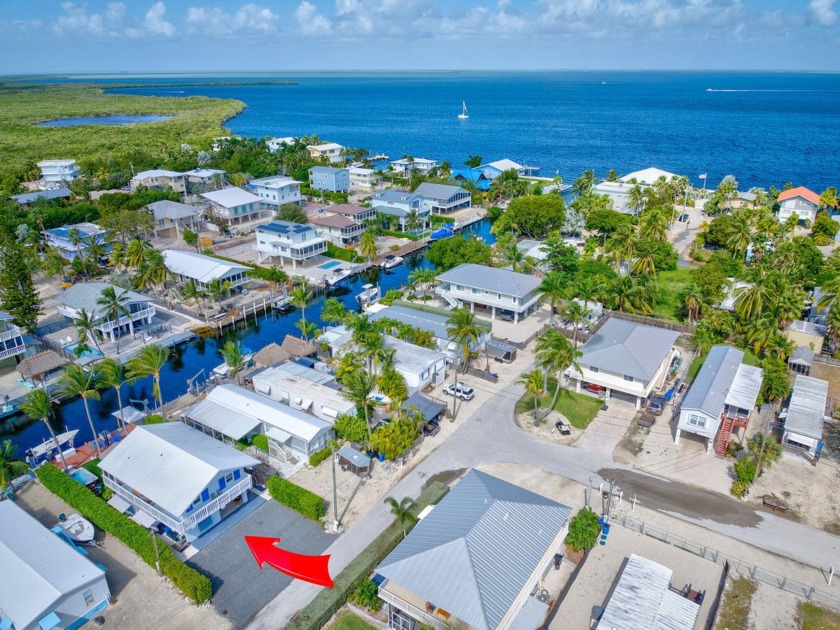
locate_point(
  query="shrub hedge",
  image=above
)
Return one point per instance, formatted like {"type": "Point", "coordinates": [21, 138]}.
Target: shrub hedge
{"type": "Point", "coordinates": [340, 253]}
{"type": "Point", "coordinates": [261, 442]}
{"type": "Point", "coordinates": [317, 458]}
{"type": "Point", "coordinates": [93, 466]}
{"type": "Point", "coordinates": [154, 419]}
{"type": "Point", "coordinates": [190, 582]}
{"type": "Point", "coordinates": [325, 604]}
{"type": "Point", "coordinates": [299, 499]}
{"type": "Point", "coordinates": [439, 219]}
{"type": "Point", "coordinates": [410, 237]}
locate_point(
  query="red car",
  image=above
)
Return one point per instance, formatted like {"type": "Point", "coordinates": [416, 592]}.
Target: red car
{"type": "Point", "coordinates": [592, 387]}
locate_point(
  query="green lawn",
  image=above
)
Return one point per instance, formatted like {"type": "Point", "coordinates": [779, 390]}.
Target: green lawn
{"type": "Point", "coordinates": [737, 601]}
{"type": "Point", "coordinates": [671, 285]}
{"type": "Point", "coordinates": [349, 621]}
{"type": "Point", "coordinates": [811, 617]}
{"type": "Point", "coordinates": [579, 409]}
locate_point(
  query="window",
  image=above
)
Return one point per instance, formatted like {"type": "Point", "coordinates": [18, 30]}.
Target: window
{"type": "Point", "coordinates": [229, 477]}
{"type": "Point", "coordinates": [593, 369]}
{"type": "Point", "coordinates": [697, 421]}
{"type": "Point", "coordinates": [629, 379]}
{"type": "Point", "coordinates": [88, 595]}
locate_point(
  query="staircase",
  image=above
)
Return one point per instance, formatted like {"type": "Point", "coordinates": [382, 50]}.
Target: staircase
{"type": "Point", "coordinates": [449, 299]}
{"type": "Point", "coordinates": [723, 435]}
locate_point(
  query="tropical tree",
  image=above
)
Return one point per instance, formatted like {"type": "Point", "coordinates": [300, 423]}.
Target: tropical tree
{"type": "Point", "coordinates": [367, 245]}
{"type": "Point", "coordinates": [412, 220]}
{"type": "Point", "coordinates": [333, 311]}
{"type": "Point", "coordinates": [513, 256]}
{"type": "Point", "coordinates": [694, 303]}
{"type": "Point", "coordinates": [149, 361]}
{"type": "Point", "coordinates": [555, 354]}
{"type": "Point", "coordinates": [553, 288]}
{"type": "Point", "coordinates": [218, 288]}
{"type": "Point", "coordinates": [152, 272]}
{"type": "Point", "coordinates": [299, 297]}
{"type": "Point", "coordinates": [75, 381]}
{"type": "Point", "coordinates": [577, 312]}
{"type": "Point", "coordinates": [112, 374]}
{"type": "Point", "coordinates": [463, 329]}
{"type": "Point", "coordinates": [86, 328]}
{"type": "Point", "coordinates": [740, 234]}
{"type": "Point", "coordinates": [234, 356]}
{"type": "Point", "coordinates": [358, 386]}
{"type": "Point", "coordinates": [38, 406]}
{"type": "Point", "coordinates": [190, 291]}
{"type": "Point", "coordinates": [114, 306]}
{"type": "Point", "coordinates": [402, 511]}
{"type": "Point", "coordinates": [584, 183]}
{"type": "Point", "coordinates": [533, 383]}
{"type": "Point", "coordinates": [10, 466]}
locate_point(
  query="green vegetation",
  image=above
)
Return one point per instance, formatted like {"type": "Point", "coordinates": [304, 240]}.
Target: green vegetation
{"type": "Point", "coordinates": [367, 595]}
{"type": "Point", "coordinates": [316, 614]}
{"type": "Point", "coordinates": [409, 236]}
{"type": "Point", "coordinates": [451, 252]}
{"type": "Point", "coordinates": [261, 442]}
{"type": "Point", "coordinates": [763, 453]}
{"type": "Point", "coordinates": [349, 621]}
{"type": "Point", "coordinates": [584, 529]}
{"type": "Point", "coordinates": [672, 286]}
{"type": "Point", "coordinates": [734, 611]}
{"type": "Point", "coordinates": [190, 582]}
{"type": "Point", "coordinates": [154, 419]}
{"type": "Point", "coordinates": [351, 428]}
{"type": "Point", "coordinates": [339, 253]}
{"type": "Point", "coordinates": [318, 457]}
{"type": "Point", "coordinates": [93, 466]}
{"type": "Point", "coordinates": [440, 219]}
{"type": "Point", "coordinates": [296, 498]}
{"type": "Point", "coordinates": [811, 617]}
{"type": "Point", "coordinates": [579, 409]}
{"type": "Point", "coordinates": [197, 121]}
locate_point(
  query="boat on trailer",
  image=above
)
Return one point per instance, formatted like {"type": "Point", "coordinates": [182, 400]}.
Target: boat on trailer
{"type": "Point", "coordinates": [78, 529]}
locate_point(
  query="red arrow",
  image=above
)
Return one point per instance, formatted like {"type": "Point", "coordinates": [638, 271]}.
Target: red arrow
{"type": "Point", "coordinates": [314, 569]}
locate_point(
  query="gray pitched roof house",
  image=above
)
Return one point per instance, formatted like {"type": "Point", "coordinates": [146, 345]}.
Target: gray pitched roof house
{"type": "Point", "coordinates": [628, 348]}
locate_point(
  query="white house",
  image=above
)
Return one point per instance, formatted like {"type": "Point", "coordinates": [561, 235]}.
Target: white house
{"type": "Point", "coordinates": [46, 583]}
{"type": "Point", "coordinates": [441, 198]}
{"type": "Point", "coordinates": [400, 204]}
{"type": "Point", "coordinates": [202, 270]}
{"type": "Point", "coordinates": [492, 170]}
{"type": "Point", "coordinates": [173, 217]}
{"type": "Point", "coordinates": [476, 560]}
{"type": "Point", "coordinates": [357, 213]}
{"type": "Point", "coordinates": [57, 172]}
{"type": "Point", "coordinates": [332, 151]}
{"type": "Point", "coordinates": [418, 366]}
{"type": "Point", "coordinates": [234, 205]}
{"type": "Point", "coordinates": [230, 412]}
{"type": "Point", "coordinates": [73, 240]}
{"type": "Point", "coordinates": [293, 241]}
{"type": "Point", "coordinates": [278, 190]}
{"type": "Point", "coordinates": [299, 393]}
{"type": "Point", "coordinates": [85, 295]}
{"type": "Point", "coordinates": [178, 476]}
{"type": "Point", "coordinates": [364, 179]}
{"type": "Point", "coordinates": [798, 201]}
{"type": "Point", "coordinates": [206, 176]}
{"type": "Point", "coordinates": [626, 359]}
{"type": "Point", "coordinates": [404, 167]}
{"type": "Point", "coordinates": [721, 398]}
{"type": "Point", "coordinates": [275, 144]}
{"type": "Point", "coordinates": [337, 228]}
{"type": "Point", "coordinates": [647, 176]}
{"type": "Point", "coordinates": [618, 193]}
{"type": "Point", "coordinates": [508, 294]}
{"type": "Point", "coordinates": [158, 179]}
{"type": "Point", "coordinates": [806, 414]}
{"type": "Point", "coordinates": [11, 338]}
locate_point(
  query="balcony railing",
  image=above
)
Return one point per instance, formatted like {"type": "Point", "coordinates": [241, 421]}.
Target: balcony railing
{"type": "Point", "coordinates": [143, 506]}
{"type": "Point", "coordinates": [12, 352]}
{"type": "Point", "coordinates": [131, 317]}
{"type": "Point", "coordinates": [413, 611]}
{"type": "Point", "coordinates": [11, 334]}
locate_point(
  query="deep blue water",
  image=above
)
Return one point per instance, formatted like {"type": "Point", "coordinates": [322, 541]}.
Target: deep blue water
{"type": "Point", "coordinates": [86, 121]}
{"type": "Point", "coordinates": [188, 359]}
{"type": "Point", "coordinates": [766, 129]}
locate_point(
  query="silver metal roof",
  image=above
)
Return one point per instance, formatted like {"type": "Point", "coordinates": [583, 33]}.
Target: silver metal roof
{"type": "Point", "coordinates": [171, 463]}
{"type": "Point", "coordinates": [809, 328]}
{"type": "Point", "coordinates": [84, 295]}
{"type": "Point", "coordinates": [642, 600]}
{"type": "Point", "coordinates": [491, 279]}
{"type": "Point", "coordinates": [714, 380]}
{"type": "Point", "coordinates": [475, 552]}
{"type": "Point", "coordinates": [432, 322]}
{"type": "Point", "coordinates": [803, 355]}
{"type": "Point", "coordinates": [198, 266]}
{"type": "Point", "coordinates": [807, 407]}
{"type": "Point", "coordinates": [746, 387]}
{"type": "Point", "coordinates": [172, 210]}
{"type": "Point", "coordinates": [230, 422]}
{"type": "Point", "coordinates": [231, 197]}
{"type": "Point", "coordinates": [437, 191]}
{"type": "Point", "coordinates": [627, 348]}
{"type": "Point", "coordinates": [38, 567]}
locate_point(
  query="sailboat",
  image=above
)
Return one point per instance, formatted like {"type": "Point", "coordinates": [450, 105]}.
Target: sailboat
{"type": "Point", "coordinates": [463, 115]}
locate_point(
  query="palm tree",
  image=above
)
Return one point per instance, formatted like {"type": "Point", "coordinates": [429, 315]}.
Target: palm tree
{"type": "Point", "coordinates": [694, 303]}
{"type": "Point", "coordinates": [114, 306]}
{"type": "Point", "coordinates": [533, 382]}
{"type": "Point", "coordinates": [38, 406]}
{"type": "Point", "coordinates": [423, 277]}
{"type": "Point", "coordinates": [463, 329]}
{"type": "Point", "coordinates": [740, 234]}
{"type": "Point", "coordinates": [218, 288]}
{"type": "Point", "coordinates": [53, 262]}
{"type": "Point", "coordinates": [111, 374]}
{"type": "Point", "coordinates": [333, 311]}
{"type": "Point", "coordinates": [653, 225]}
{"type": "Point", "coordinates": [76, 382]}
{"type": "Point", "coordinates": [190, 291]}
{"type": "Point", "coordinates": [86, 328]}
{"type": "Point", "coordinates": [636, 199]}
{"type": "Point", "coordinates": [751, 299]}
{"type": "Point", "coordinates": [234, 357]}
{"type": "Point", "coordinates": [367, 245]}
{"type": "Point", "coordinates": [358, 386]}
{"type": "Point", "coordinates": [513, 256]}
{"type": "Point", "coordinates": [136, 253]}
{"type": "Point", "coordinates": [10, 466]}
{"type": "Point", "coordinates": [578, 312]}
{"type": "Point", "coordinates": [584, 183]}
{"type": "Point", "coordinates": [553, 288]}
{"type": "Point", "coordinates": [402, 511]}
{"type": "Point", "coordinates": [411, 221]}
{"type": "Point", "coordinates": [152, 272]}
{"type": "Point", "coordinates": [555, 354]}
{"type": "Point", "coordinates": [299, 297]}
{"type": "Point", "coordinates": [149, 361]}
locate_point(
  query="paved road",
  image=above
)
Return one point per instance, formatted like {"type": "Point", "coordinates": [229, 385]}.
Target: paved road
{"type": "Point", "coordinates": [490, 436]}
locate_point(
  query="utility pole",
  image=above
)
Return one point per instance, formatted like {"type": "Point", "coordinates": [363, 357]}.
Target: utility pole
{"type": "Point", "coordinates": [157, 551]}
{"type": "Point", "coordinates": [336, 524]}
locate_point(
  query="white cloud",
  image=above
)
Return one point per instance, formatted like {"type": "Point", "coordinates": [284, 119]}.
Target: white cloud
{"type": "Point", "coordinates": [154, 21]}
{"type": "Point", "coordinates": [310, 21]}
{"type": "Point", "coordinates": [109, 23]}
{"type": "Point", "coordinates": [76, 18]}
{"type": "Point", "coordinates": [216, 22]}
{"type": "Point", "coordinates": [822, 12]}
{"type": "Point", "coordinates": [26, 25]}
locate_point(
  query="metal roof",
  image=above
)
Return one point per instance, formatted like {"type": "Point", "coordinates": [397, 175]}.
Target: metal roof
{"type": "Point", "coordinates": [331, 170]}
{"type": "Point", "coordinates": [429, 409]}
{"type": "Point", "coordinates": [171, 463]}
{"type": "Point", "coordinates": [222, 418]}
{"type": "Point", "coordinates": [205, 173]}
{"type": "Point", "coordinates": [411, 358]}
{"type": "Point", "coordinates": [438, 191]}
{"type": "Point", "coordinates": [807, 407]}
{"type": "Point", "coordinates": [475, 552]}
{"type": "Point", "coordinates": [648, 176]}
{"type": "Point", "coordinates": [231, 197]}
{"type": "Point", "coordinates": [301, 371]}
{"type": "Point", "coordinates": [803, 355]}
{"type": "Point", "coordinates": [710, 388]}
{"type": "Point", "coordinates": [642, 600]}
{"type": "Point", "coordinates": [393, 196]}
{"type": "Point", "coordinates": [503, 165]}
{"type": "Point", "coordinates": [808, 328]}
{"type": "Point", "coordinates": [38, 567]}
{"type": "Point", "coordinates": [84, 295]}
{"type": "Point", "coordinates": [627, 348]}
{"type": "Point", "coordinates": [198, 266]}
{"type": "Point", "coordinates": [746, 387]}
{"type": "Point", "coordinates": [166, 209]}
{"type": "Point", "coordinates": [432, 322]}
{"type": "Point", "coordinates": [491, 279]}
{"type": "Point", "coordinates": [278, 181]}
{"type": "Point", "coordinates": [271, 381]}
{"type": "Point", "coordinates": [157, 172]}
{"type": "Point", "coordinates": [53, 193]}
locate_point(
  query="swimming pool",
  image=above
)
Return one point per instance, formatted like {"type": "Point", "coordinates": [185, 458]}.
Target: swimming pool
{"type": "Point", "coordinates": [89, 352]}
{"type": "Point", "coordinates": [84, 476]}
{"type": "Point", "coordinates": [329, 265]}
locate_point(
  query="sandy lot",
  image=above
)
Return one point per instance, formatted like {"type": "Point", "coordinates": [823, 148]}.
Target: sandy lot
{"type": "Point", "coordinates": [134, 583]}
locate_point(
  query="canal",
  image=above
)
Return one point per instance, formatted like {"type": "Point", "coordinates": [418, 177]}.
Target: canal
{"type": "Point", "coordinates": [189, 359]}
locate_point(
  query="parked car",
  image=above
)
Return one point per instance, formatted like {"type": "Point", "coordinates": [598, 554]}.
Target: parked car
{"type": "Point", "coordinates": [464, 392]}
{"type": "Point", "coordinates": [592, 387]}
{"type": "Point", "coordinates": [657, 405]}
{"type": "Point", "coordinates": [683, 218]}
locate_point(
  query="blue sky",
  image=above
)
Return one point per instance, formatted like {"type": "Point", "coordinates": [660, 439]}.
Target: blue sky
{"type": "Point", "coordinates": [200, 35]}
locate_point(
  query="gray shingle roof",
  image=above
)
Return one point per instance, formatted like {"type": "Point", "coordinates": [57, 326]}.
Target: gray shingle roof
{"type": "Point", "coordinates": [437, 191]}
{"type": "Point", "coordinates": [627, 348]}
{"type": "Point", "coordinates": [85, 295]}
{"type": "Point", "coordinates": [54, 193]}
{"type": "Point", "coordinates": [714, 380]}
{"type": "Point", "coordinates": [172, 210]}
{"type": "Point", "coordinates": [427, 407]}
{"type": "Point", "coordinates": [475, 552]}
{"type": "Point", "coordinates": [393, 196]}
{"type": "Point", "coordinates": [491, 279]}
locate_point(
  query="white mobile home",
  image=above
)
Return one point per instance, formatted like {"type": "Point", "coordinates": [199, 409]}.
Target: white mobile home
{"type": "Point", "coordinates": [202, 270]}
{"type": "Point", "coordinates": [806, 414]}
{"type": "Point", "coordinates": [300, 393]}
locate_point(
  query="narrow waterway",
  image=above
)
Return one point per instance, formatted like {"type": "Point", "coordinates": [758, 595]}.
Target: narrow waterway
{"type": "Point", "coordinates": [187, 360]}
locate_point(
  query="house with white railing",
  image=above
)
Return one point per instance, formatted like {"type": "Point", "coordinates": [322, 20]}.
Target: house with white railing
{"type": "Point", "coordinates": [490, 291]}
{"type": "Point", "coordinates": [276, 191]}
{"type": "Point", "coordinates": [75, 240]}
{"type": "Point", "coordinates": [11, 338]}
{"type": "Point", "coordinates": [297, 242]}
{"type": "Point", "coordinates": [172, 474]}
{"type": "Point", "coordinates": [57, 172]}
{"type": "Point", "coordinates": [139, 309]}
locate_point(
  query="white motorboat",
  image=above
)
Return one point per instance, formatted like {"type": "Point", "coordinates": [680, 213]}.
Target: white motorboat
{"type": "Point", "coordinates": [223, 370]}
{"type": "Point", "coordinates": [77, 528]}
{"type": "Point", "coordinates": [369, 294]}
{"type": "Point", "coordinates": [463, 115]}
{"type": "Point", "coordinates": [392, 261]}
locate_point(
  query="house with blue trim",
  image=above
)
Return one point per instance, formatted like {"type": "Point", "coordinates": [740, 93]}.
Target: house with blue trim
{"type": "Point", "coordinates": [72, 240]}
{"type": "Point", "coordinates": [173, 474]}
{"type": "Point", "coordinates": [474, 176]}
